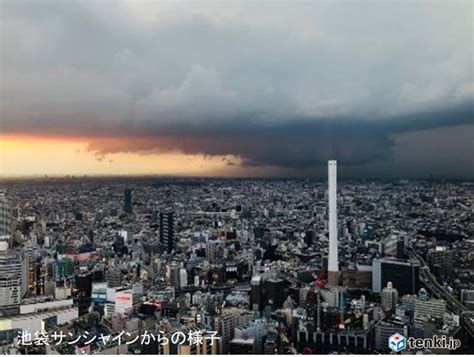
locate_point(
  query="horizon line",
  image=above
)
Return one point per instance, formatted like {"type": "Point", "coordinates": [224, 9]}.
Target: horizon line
{"type": "Point", "coordinates": [221, 177]}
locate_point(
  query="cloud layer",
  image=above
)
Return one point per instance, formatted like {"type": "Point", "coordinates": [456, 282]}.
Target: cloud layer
{"type": "Point", "coordinates": [284, 84]}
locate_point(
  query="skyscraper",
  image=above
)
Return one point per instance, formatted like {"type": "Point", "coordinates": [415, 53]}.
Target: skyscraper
{"type": "Point", "coordinates": [393, 246]}
{"type": "Point", "coordinates": [174, 276]}
{"type": "Point", "coordinates": [167, 231]}
{"type": "Point", "coordinates": [256, 292]}
{"type": "Point", "coordinates": [389, 298]}
{"type": "Point", "coordinates": [5, 217]}
{"type": "Point", "coordinates": [404, 275]}
{"type": "Point", "coordinates": [127, 200]}
{"type": "Point", "coordinates": [333, 264]}
{"type": "Point", "coordinates": [226, 324]}
{"type": "Point", "coordinates": [10, 285]}
{"type": "Point", "coordinates": [275, 292]}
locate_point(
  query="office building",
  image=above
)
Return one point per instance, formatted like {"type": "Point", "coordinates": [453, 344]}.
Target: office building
{"type": "Point", "coordinates": [385, 329]}
{"type": "Point", "coordinates": [256, 293]}
{"type": "Point", "coordinates": [63, 269]}
{"type": "Point", "coordinates": [389, 298]}
{"type": "Point", "coordinates": [5, 217]}
{"type": "Point", "coordinates": [333, 296]}
{"type": "Point", "coordinates": [435, 308]}
{"type": "Point", "coordinates": [404, 275]}
{"type": "Point", "coordinates": [227, 323]}
{"type": "Point", "coordinates": [408, 302]}
{"type": "Point", "coordinates": [215, 250]}
{"type": "Point", "coordinates": [113, 277]}
{"type": "Point", "coordinates": [174, 276]}
{"type": "Point", "coordinates": [393, 247]}
{"type": "Point", "coordinates": [11, 271]}
{"type": "Point", "coordinates": [357, 277]}
{"type": "Point", "coordinates": [37, 317]}
{"type": "Point", "coordinates": [255, 330]}
{"type": "Point", "coordinates": [167, 232]}
{"type": "Point", "coordinates": [275, 292]}
{"type": "Point", "coordinates": [441, 260]}
{"type": "Point", "coordinates": [467, 295]}
{"type": "Point", "coordinates": [127, 200]}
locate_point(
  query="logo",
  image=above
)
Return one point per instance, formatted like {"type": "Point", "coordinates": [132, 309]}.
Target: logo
{"type": "Point", "coordinates": [435, 342]}
{"type": "Point", "coordinates": [397, 342]}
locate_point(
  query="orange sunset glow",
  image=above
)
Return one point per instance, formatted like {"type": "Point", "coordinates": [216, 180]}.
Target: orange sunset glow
{"type": "Point", "coordinates": [53, 156]}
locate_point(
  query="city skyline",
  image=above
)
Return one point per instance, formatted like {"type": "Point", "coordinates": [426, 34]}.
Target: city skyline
{"type": "Point", "coordinates": [263, 266]}
{"type": "Point", "coordinates": [244, 90]}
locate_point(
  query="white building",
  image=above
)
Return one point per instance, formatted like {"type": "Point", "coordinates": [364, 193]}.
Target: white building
{"type": "Point", "coordinates": [333, 264]}
{"type": "Point", "coordinates": [183, 278]}
{"type": "Point", "coordinates": [389, 298]}
{"type": "Point", "coordinates": [32, 322]}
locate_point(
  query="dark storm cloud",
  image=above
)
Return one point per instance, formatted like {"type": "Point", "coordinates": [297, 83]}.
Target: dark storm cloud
{"type": "Point", "coordinates": [298, 143]}
{"type": "Point", "coordinates": [278, 84]}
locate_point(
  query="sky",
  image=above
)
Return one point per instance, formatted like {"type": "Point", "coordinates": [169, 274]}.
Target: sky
{"type": "Point", "coordinates": [237, 88]}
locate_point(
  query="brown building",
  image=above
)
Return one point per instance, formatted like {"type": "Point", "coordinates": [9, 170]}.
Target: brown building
{"type": "Point", "coordinates": [359, 277]}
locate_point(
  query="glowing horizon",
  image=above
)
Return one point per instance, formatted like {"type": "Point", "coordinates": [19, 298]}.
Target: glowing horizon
{"type": "Point", "coordinates": [30, 156]}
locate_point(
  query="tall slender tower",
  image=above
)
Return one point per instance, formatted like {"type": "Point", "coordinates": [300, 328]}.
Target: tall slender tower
{"type": "Point", "coordinates": [333, 263]}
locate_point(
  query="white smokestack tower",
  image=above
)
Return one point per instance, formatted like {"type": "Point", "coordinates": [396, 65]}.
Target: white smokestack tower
{"type": "Point", "coordinates": [333, 263]}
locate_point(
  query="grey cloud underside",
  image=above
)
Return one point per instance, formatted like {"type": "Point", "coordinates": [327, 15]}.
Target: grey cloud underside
{"type": "Point", "coordinates": [285, 84]}
{"type": "Point", "coordinates": [295, 143]}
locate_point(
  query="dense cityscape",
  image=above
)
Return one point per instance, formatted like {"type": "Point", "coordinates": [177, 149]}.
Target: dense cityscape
{"type": "Point", "coordinates": [234, 266]}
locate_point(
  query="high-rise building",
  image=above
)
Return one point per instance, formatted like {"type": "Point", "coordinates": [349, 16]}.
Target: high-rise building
{"type": "Point", "coordinates": [256, 292]}
{"type": "Point", "coordinates": [215, 250]}
{"type": "Point", "coordinates": [333, 296]}
{"type": "Point", "coordinates": [174, 276]}
{"type": "Point", "coordinates": [408, 302]}
{"type": "Point", "coordinates": [333, 264]}
{"type": "Point", "coordinates": [393, 246]}
{"type": "Point", "coordinates": [127, 200]}
{"type": "Point", "coordinates": [255, 330]}
{"type": "Point", "coordinates": [167, 231]}
{"type": "Point", "coordinates": [384, 329]}
{"type": "Point", "coordinates": [275, 292]}
{"type": "Point", "coordinates": [5, 217]}
{"type": "Point", "coordinates": [441, 260]}
{"type": "Point", "coordinates": [113, 277]}
{"type": "Point", "coordinates": [404, 275]}
{"type": "Point", "coordinates": [227, 322]}
{"type": "Point", "coordinates": [389, 298]}
{"type": "Point", "coordinates": [467, 298]}
{"type": "Point", "coordinates": [28, 283]}
{"type": "Point", "coordinates": [430, 307]}
{"type": "Point", "coordinates": [10, 285]}
{"type": "Point", "coordinates": [183, 278]}
{"type": "Point", "coordinates": [357, 276]}
{"type": "Point", "coordinates": [63, 269]}
{"type": "Point", "coordinates": [41, 276]}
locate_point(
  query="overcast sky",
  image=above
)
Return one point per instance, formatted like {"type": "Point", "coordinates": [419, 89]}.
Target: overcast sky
{"type": "Point", "coordinates": [386, 88]}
